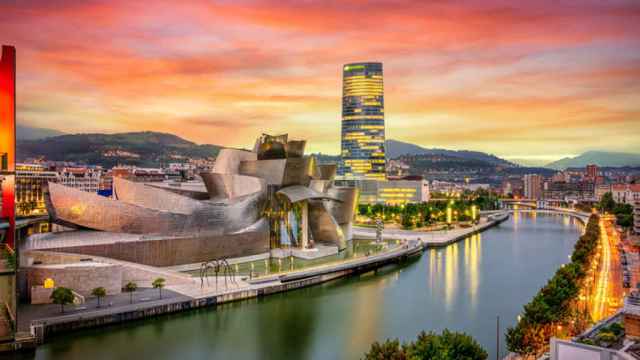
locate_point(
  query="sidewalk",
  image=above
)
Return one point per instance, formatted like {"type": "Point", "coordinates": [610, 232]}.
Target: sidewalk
{"type": "Point", "coordinates": [431, 238]}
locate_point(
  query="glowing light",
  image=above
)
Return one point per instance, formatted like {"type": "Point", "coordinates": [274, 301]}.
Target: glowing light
{"type": "Point", "coordinates": [48, 283]}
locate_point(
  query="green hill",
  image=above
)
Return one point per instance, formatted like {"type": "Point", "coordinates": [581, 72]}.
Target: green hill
{"type": "Point", "coordinates": [135, 148]}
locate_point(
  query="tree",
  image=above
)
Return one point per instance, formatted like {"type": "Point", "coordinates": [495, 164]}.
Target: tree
{"type": "Point", "coordinates": [130, 288]}
{"type": "Point", "coordinates": [99, 293]}
{"type": "Point", "coordinates": [445, 346]}
{"type": "Point", "coordinates": [158, 284]}
{"type": "Point", "coordinates": [607, 204]}
{"type": "Point", "coordinates": [388, 350]}
{"type": "Point", "coordinates": [448, 345]}
{"type": "Point", "coordinates": [62, 296]}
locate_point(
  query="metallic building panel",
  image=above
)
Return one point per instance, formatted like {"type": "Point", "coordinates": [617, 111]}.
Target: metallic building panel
{"type": "Point", "coordinates": [228, 160]}
{"type": "Point", "coordinates": [297, 193]}
{"type": "Point", "coordinates": [231, 185]}
{"type": "Point", "coordinates": [191, 193]}
{"type": "Point", "coordinates": [240, 212]}
{"type": "Point", "coordinates": [319, 185]}
{"type": "Point", "coordinates": [299, 171]}
{"type": "Point", "coordinates": [149, 197]}
{"type": "Point", "coordinates": [67, 205]}
{"type": "Point", "coordinates": [97, 212]}
{"type": "Point", "coordinates": [344, 210]}
{"type": "Point", "coordinates": [327, 171]}
{"type": "Point", "coordinates": [272, 171]}
{"type": "Point", "coordinates": [271, 147]}
{"type": "Point", "coordinates": [155, 250]}
{"type": "Point", "coordinates": [295, 148]}
{"type": "Point", "coordinates": [323, 226]}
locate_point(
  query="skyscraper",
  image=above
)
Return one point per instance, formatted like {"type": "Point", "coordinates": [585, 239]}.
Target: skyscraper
{"type": "Point", "coordinates": [362, 150]}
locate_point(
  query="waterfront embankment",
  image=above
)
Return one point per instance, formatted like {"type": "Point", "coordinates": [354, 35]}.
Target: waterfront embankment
{"type": "Point", "coordinates": [195, 293]}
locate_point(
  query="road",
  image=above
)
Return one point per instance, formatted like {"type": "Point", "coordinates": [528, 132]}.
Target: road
{"type": "Point", "coordinates": [608, 293]}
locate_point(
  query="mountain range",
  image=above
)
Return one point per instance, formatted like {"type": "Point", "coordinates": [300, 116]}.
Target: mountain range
{"type": "Point", "coordinates": [34, 133]}
{"type": "Point", "coordinates": [154, 148]}
{"type": "Point", "coordinates": [395, 149]}
{"type": "Point", "coordinates": [600, 158]}
{"type": "Point", "coordinates": [135, 148]}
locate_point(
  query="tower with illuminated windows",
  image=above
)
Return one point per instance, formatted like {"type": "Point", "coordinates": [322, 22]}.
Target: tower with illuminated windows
{"type": "Point", "coordinates": [362, 147]}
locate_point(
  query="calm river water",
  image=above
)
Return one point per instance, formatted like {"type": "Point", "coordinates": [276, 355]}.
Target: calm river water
{"type": "Point", "coordinates": [462, 287]}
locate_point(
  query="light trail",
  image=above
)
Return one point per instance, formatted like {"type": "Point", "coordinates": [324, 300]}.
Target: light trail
{"type": "Point", "coordinates": [602, 289]}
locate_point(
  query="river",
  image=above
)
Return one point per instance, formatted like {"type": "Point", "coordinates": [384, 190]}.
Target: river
{"type": "Point", "coordinates": [463, 287]}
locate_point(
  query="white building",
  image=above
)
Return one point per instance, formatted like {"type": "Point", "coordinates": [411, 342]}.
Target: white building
{"type": "Point", "coordinates": [626, 193]}
{"type": "Point", "coordinates": [83, 179]}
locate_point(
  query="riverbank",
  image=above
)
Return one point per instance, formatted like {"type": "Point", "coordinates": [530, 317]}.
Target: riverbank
{"type": "Point", "coordinates": [434, 239]}
{"type": "Point", "coordinates": [462, 287]}
{"type": "Point", "coordinates": [197, 294]}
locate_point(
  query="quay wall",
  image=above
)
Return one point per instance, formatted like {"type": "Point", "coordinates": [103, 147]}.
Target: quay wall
{"type": "Point", "coordinates": [44, 328]}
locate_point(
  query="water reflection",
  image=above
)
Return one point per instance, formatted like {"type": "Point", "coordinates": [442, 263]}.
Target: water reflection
{"type": "Point", "coordinates": [461, 287]}
{"type": "Point", "coordinates": [450, 275]}
{"type": "Point", "coordinates": [472, 268]}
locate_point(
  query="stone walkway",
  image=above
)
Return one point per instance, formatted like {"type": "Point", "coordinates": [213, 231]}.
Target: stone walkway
{"type": "Point", "coordinates": [110, 303]}
{"type": "Point", "coordinates": [431, 238]}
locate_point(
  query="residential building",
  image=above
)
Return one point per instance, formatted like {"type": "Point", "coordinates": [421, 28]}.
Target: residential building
{"type": "Point", "coordinates": [579, 191]}
{"type": "Point", "coordinates": [532, 186]}
{"type": "Point", "coordinates": [626, 193]}
{"type": "Point", "coordinates": [561, 176]}
{"type": "Point", "coordinates": [84, 179]}
{"type": "Point", "coordinates": [139, 174]}
{"type": "Point", "coordinates": [363, 129]}
{"type": "Point", "coordinates": [600, 190]}
{"type": "Point", "coordinates": [513, 186]}
{"type": "Point", "coordinates": [592, 172]}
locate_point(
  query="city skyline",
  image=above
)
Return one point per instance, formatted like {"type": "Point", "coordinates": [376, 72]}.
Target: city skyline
{"type": "Point", "coordinates": [538, 81]}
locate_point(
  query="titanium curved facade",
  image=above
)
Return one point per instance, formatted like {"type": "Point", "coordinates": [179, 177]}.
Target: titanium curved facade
{"type": "Point", "coordinates": [363, 135]}
{"type": "Point", "coordinates": [249, 205]}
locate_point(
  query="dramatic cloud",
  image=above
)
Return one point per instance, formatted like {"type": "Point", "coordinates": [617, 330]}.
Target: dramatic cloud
{"type": "Point", "coordinates": [515, 79]}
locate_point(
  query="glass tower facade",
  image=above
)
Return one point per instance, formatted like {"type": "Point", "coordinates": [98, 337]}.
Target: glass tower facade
{"type": "Point", "coordinates": [362, 147]}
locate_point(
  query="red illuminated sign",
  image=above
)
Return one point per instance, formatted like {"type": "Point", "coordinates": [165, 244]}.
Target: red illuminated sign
{"type": "Point", "coordinates": [8, 137]}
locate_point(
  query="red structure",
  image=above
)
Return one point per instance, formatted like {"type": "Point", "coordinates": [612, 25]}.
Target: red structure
{"type": "Point", "coordinates": [8, 138]}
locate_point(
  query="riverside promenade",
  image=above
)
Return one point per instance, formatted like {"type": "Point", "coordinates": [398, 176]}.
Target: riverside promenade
{"type": "Point", "coordinates": [432, 239]}
{"type": "Point", "coordinates": [193, 293]}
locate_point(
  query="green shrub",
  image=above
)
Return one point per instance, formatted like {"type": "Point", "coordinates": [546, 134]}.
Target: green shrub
{"type": "Point", "coordinates": [432, 346]}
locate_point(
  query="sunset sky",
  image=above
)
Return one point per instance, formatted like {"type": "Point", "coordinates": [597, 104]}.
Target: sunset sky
{"type": "Point", "coordinates": [536, 80]}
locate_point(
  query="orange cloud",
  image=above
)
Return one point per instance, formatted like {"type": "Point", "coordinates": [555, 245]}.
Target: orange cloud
{"type": "Point", "coordinates": [540, 75]}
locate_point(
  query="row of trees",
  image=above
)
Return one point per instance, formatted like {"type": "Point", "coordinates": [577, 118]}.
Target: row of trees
{"type": "Point", "coordinates": [64, 296]}
{"type": "Point", "coordinates": [623, 212]}
{"type": "Point", "coordinates": [555, 310]}
{"type": "Point", "coordinates": [428, 213]}
{"type": "Point", "coordinates": [446, 346]}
